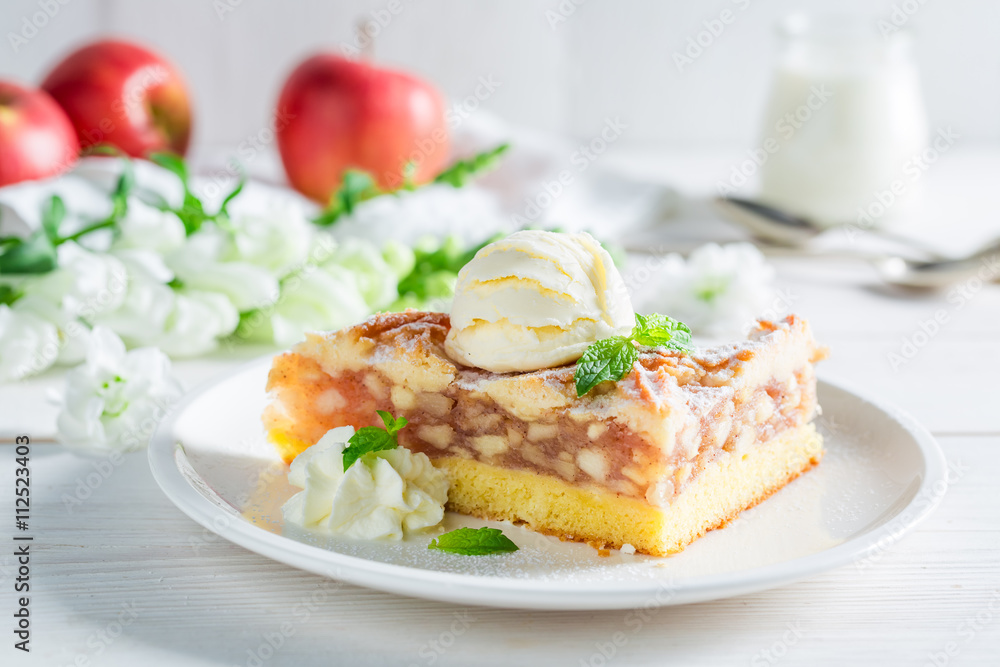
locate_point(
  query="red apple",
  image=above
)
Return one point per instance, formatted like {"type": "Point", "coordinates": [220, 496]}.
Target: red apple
{"type": "Point", "coordinates": [335, 114]}
{"type": "Point", "coordinates": [36, 138]}
{"type": "Point", "coordinates": [122, 94]}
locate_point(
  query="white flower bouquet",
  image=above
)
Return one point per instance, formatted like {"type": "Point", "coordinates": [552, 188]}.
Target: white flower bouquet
{"type": "Point", "coordinates": [129, 246]}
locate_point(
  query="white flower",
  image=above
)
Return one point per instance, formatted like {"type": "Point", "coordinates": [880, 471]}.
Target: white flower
{"type": "Point", "coordinates": [45, 296]}
{"type": "Point", "coordinates": [718, 290]}
{"type": "Point", "coordinates": [28, 343]}
{"type": "Point", "coordinates": [153, 183]}
{"type": "Point", "coordinates": [70, 331]}
{"type": "Point", "coordinates": [84, 284]}
{"type": "Point", "coordinates": [149, 228]}
{"type": "Point", "coordinates": [277, 238]}
{"type": "Point", "coordinates": [147, 304]}
{"type": "Point", "coordinates": [182, 323]}
{"type": "Point", "coordinates": [376, 280]}
{"type": "Point", "coordinates": [316, 299]}
{"type": "Point", "coordinates": [115, 399]}
{"type": "Point", "coordinates": [83, 287]}
{"type": "Point", "coordinates": [196, 323]}
{"type": "Point", "coordinates": [200, 264]}
{"type": "Point", "coordinates": [98, 282]}
{"type": "Point", "coordinates": [471, 213]}
{"type": "Point", "coordinates": [21, 204]}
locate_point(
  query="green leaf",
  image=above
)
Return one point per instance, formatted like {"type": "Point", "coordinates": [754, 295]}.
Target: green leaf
{"type": "Point", "coordinates": [156, 200]}
{"type": "Point", "coordinates": [103, 149]}
{"type": "Point", "coordinates": [224, 208]}
{"type": "Point", "coordinates": [608, 359]}
{"type": "Point", "coordinates": [172, 162]}
{"type": "Point", "coordinates": [463, 171]}
{"type": "Point", "coordinates": [373, 439]}
{"type": "Point", "coordinates": [392, 425]}
{"type": "Point", "coordinates": [612, 358]}
{"type": "Point", "coordinates": [9, 294]}
{"type": "Point", "coordinates": [355, 187]}
{"type": "Point", "coordinates": [367, 440]}
{"type": "Point", "coordinates": [126, 182]}
{"type": "Point", "coordinates": [435, 270]}
{"type": "Point", "coordinates": [110, 221]}
{"type": "Point", "coordinates": [358, 186]}
{"type": "Point", "coordinates": [36, 254]}
{"type": "Point", "coordinates": [52, 217]}
{"type": "Point", "coordinates": [119, 205]}
{"type": "Point", "coordinates": [192, 212]}
{"type": "Point", "coordinates": [119, 200]}
{"type": "Point", "coordinates": [473, 542]}
{"type": "Point", "coordinates": [409, 173]}
{"type": "Point", "coordinates": [661, 331]}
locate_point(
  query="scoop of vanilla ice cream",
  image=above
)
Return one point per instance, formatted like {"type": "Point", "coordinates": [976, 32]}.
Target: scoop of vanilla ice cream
{"type": "Point", "coordinates": [536, 300]}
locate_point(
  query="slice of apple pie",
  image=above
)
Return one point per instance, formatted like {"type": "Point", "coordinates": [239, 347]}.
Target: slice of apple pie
{"type": "Point", "coordinates": [678, 447]}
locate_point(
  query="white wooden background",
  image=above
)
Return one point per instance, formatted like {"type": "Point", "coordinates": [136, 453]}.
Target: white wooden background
{"type": "Point", "coordinates": [199, 600]}
{"type": "Point", "coordinates": [607, 58]}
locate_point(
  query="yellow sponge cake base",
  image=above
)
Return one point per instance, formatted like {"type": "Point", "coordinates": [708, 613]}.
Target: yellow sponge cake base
{"type": "Point", "coordinates": [727, 486]}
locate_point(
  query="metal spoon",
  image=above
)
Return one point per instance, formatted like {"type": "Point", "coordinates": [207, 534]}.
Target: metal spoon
{"type": "Point", "coordinates": [783, 228]}
{"type": "Point", "coordinates": [983, 264]}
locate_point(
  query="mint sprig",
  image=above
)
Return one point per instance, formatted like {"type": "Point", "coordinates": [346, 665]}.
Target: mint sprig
{"type": "Point", "coordinates": [607, 359]}
{"type": "Point", "coordinates": [657, 330]}
{"type": "Point", "coordinates": [370, 439]}
{"type": "Point", "coordinates": [612, 358]}
{"type": "Point", "coordinates": [473, 542]}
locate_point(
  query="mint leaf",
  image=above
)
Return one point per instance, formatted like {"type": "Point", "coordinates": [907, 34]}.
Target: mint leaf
{"type": "Point", "coordinates": [464, 171]}
{"type": "Point", "coordinates": [612, 358]}
{"type": "Point", "coordinates": [373, 439]}
{"type": "Point", "coordinates": [607, 359]}
{"type": "Point", "coordinates": [658, 330]}
{"type": "Point", "coordinates": [392, 425]}
{"type": "Point", "coordinates": [473, 542]}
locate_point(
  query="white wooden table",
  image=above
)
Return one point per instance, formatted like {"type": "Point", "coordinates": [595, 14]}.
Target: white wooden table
{"type": "Point", "coordinates": [124, 578]}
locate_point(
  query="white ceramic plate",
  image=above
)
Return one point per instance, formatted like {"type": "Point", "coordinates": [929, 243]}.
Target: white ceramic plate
{"type": "Point", "coordinates": [882, 474]}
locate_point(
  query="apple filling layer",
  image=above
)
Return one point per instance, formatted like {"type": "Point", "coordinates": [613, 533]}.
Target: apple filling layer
{"type": "Point", "coordinates": [647, 438]}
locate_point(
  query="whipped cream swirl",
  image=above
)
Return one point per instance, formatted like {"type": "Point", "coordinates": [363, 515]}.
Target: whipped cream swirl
{"type": "Point", "coordinates": [381, 496]}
